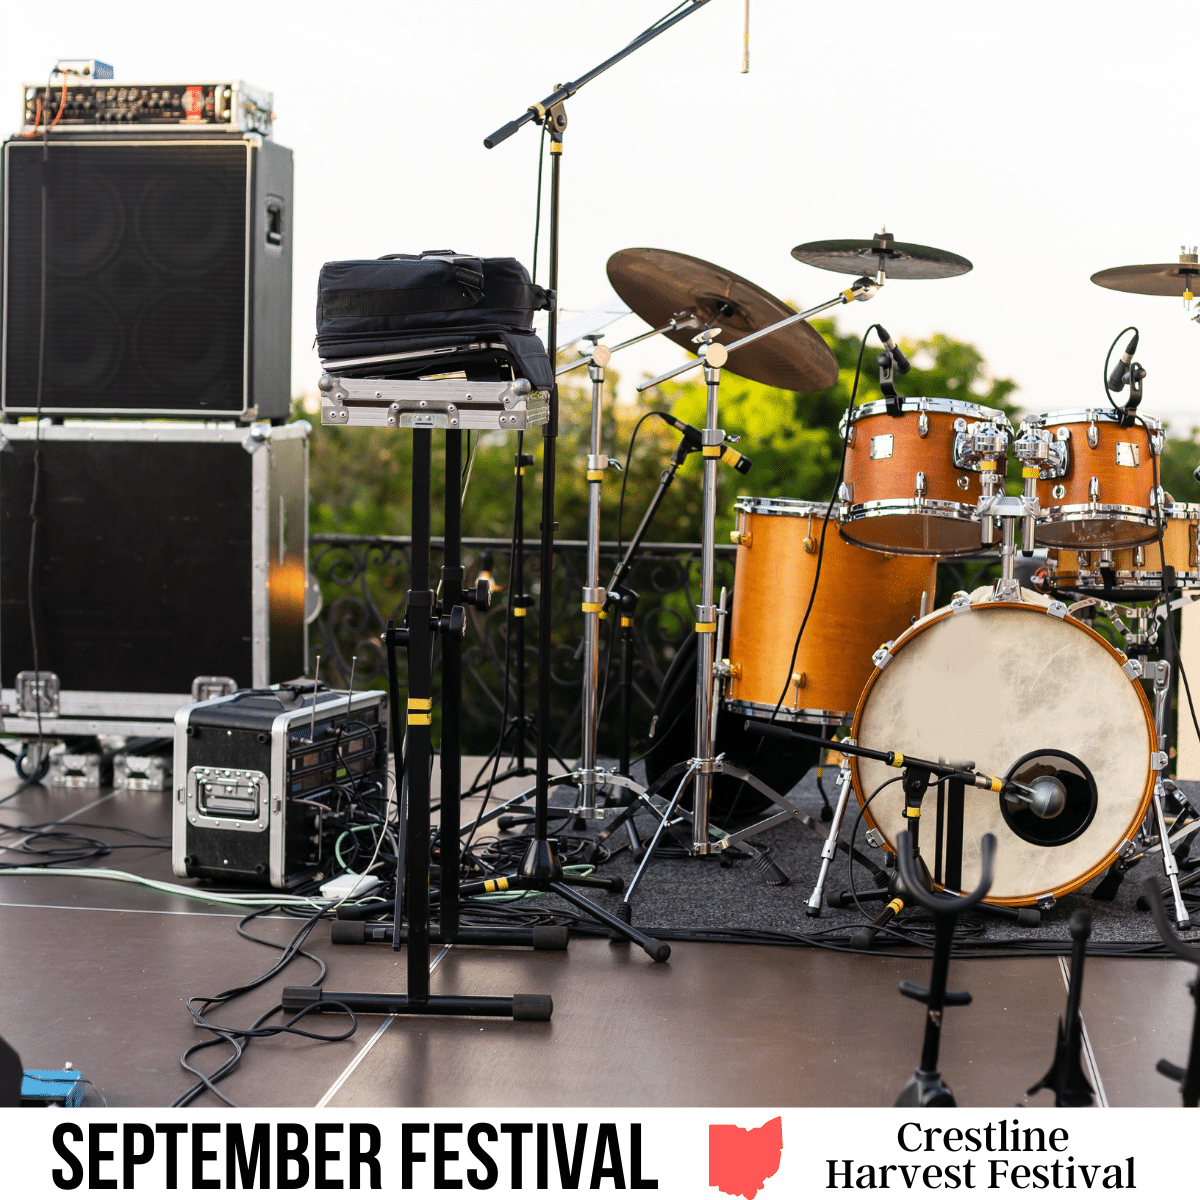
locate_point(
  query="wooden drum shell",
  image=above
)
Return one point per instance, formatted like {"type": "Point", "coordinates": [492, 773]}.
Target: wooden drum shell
{"type": "Point", "coordinates": [884, 510]}
{"type": "Point", "coordinates": [863, 599]}
{"type": "Point", "coordinates": [1122, 513]}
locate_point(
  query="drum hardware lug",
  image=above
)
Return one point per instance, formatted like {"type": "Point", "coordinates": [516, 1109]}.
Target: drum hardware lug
{"type": "Point", "coordinates": [1158, 760]}
{"type": "Point", "coordinates": [1093, 489]}
{"type": "Point", "coordinates": [851, 435]}
{"type": "Point", "coordinates": [961, 603]}
{"type": "Point", "coordinates": [846, 493]}
{"type": "Point", "coordinates": [1158, 498]}
{"type": "Point", "coordinates": [964, 482]}
{"type": "Point", "coordinates": [1126, 849]}
{"type": "Point", "coordinates": [1132, 668]}
{"type": "Point", "coordinates": [923, 425]}
{"type": "Point", "coordinates": [1046, 902]}
{"type": "Point", "coordinates": [741, 538]}
{"type": "Point", "coordinates": [799, 680]}
{"type": "Point", "coordinates": [1056, 608]}
{"type": "Point", "coordinates": [882, 656]}
{"type": "Point", "coordinates": [809, 544]}
{"type": "Point", "coordinates": [920, 486]}
{"type": "Point", "coordinates": [960, 425]}
{"type": "Point", "coordinates": [874, 839]}
{"type": "Point", "coordinates": [1058, 491]}
{"type": "Point", "coordinates": [1093, 435]}
{"type": "Point", "coordinates": [1106, 560]}
{"type": "Point", "coordinates": [1158, 441]}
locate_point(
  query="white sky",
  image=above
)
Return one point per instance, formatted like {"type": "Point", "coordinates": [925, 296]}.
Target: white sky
{"type": "Point", "coordinates": [1042, 141]}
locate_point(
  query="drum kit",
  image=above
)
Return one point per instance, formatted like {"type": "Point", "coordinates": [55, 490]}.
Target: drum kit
{"type": "Point", "coordinates": [1015, 679]}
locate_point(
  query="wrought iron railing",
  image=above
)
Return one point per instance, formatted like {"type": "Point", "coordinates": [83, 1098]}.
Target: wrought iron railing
{"type": "Point", "coordinates": [363, 582]}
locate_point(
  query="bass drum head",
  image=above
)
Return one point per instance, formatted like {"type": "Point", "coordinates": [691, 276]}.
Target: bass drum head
{"type": "Point", "coordinates": [672, 740]}
{"type": "Point", "coordinates": [1017, 692]}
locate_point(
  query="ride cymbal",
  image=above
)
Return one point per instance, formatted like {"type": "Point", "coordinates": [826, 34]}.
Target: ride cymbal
{"type": "Point", "coordinates": [661, 286]}
{"type": "Point", "coordinates": [899, 260]}
{"type": "Point", "coordinates": [1153, 279]}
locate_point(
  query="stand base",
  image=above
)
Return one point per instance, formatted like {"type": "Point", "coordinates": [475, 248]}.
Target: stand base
{"type": "Point", "coordinates": [519, 1007]}
{"type": "Point", "coordinates": [372, 933]}
{"type": "Point", "coordinates": [926, 1089]}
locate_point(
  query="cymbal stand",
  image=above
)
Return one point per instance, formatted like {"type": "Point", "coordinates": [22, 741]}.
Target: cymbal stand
{"type": "Point", "coordinates": [1189, 1076]}
{"type": "Point", "coordinates": [926, 1088]}
{"type": "Point", "coordinates": [699, 770]}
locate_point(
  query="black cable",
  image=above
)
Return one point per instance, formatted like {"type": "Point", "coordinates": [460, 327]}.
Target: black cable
{"type": "Point", "coordinates": [537, 216]}
{"type": "Point", "coordinates": [238, 1039]}
{"type": "Point", "coordinates": [854, 833]}
{"type": "Point", "coordinates": [1107, 389]}
{"type": "Point", "coordinates": [625, 474]}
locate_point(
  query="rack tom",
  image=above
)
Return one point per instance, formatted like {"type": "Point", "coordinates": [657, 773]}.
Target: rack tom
{"type": "Point", "coordinates": [1135, 572]}
{"type": "Point", "coordinates": [1103, 495]}
{"type": "Point", "coordinates": [907, 490]}
{"type": "Point", "coordinates": [863, 599]}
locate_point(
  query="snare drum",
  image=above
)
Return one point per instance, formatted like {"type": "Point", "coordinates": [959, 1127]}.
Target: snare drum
{"type": "Point", "coordinates": [1136, 571]}
{"type": "Point", "coordinates": [863, 599]}
{"type": "Point", "coordinates": [1014, 689]}
{"type": "Point", "coordinates": [1103, 495]}
{"type": "Point", "coordinates": [903, 490]}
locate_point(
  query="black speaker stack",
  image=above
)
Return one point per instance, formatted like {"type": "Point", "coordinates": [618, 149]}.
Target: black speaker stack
{"type": "Point", "coordinates": [146, 274]}
{"type": "Point", "coordinates": [147, 254]}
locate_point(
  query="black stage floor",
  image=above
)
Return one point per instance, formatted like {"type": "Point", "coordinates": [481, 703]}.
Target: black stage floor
{"type": "Point", "coordinates": [97, 973]}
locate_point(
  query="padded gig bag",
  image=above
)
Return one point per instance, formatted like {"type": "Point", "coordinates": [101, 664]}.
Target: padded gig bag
{"type": "Point", "coordinates": [435, 312]}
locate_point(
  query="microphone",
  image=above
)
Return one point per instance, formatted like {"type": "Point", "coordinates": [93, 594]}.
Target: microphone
{"type": "Point", "coordinates": [1116, 377]}
{"type": "Point", "coordinates": [899, 358]}
{"type": "Point", "coordinates": [693, 437]}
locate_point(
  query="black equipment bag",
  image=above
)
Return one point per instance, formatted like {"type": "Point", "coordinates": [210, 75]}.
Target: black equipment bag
{"type": "Point", "coordinates": [442, 311]}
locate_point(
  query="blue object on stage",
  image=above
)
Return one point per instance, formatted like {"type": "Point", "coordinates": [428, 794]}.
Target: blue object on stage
{"type": "Point", "coordinates": [46, 1088]}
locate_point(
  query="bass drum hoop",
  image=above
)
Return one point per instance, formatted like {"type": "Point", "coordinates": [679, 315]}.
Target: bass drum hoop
{"type": "Point", "coordinates": [1028, 900]}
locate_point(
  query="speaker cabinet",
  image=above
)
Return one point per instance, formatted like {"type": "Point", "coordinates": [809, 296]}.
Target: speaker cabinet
{"type": "Point", "coordinates": [168, 276]}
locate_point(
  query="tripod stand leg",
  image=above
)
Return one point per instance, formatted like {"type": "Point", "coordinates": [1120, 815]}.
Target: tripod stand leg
{"type": "Point", "coordinates": [658, 832]}
{"type": "Point", "coordinates": [831, 842]}
{"type": "Point", "coordinates": [450, 757]}
{"type": "Point", "coordinates": [658, 950]}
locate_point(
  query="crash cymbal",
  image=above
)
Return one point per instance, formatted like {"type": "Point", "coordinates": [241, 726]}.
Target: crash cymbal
{"type": "Point", "coordinates": [660, 285]}
{"type": "Point", "coordinates": [1154, 279]}
{"type": "Point", "coordinates": [900, 260]}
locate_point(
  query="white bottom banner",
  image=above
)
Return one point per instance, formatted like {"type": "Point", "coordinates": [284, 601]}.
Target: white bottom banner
{"type": "Point", "coordinates": [684, 1152]}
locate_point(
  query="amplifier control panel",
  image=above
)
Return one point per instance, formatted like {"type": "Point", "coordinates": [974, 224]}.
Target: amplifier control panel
{"type": "Point", "coordinates": [102, 106]}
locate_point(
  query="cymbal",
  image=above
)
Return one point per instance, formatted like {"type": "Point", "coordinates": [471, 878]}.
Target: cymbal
{"type": "Point", "coordinates": [901, 260]}
{"type": "Point", "coordinates": [1153, 279]}
{"type": "Point", "coordinates": [660, 285]}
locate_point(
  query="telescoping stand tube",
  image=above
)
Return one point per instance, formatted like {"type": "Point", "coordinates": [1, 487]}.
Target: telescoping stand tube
{"type": "Point", "coordinates": [541, 868]}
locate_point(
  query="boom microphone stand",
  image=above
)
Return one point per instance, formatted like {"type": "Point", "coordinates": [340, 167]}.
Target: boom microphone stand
{"type": "Point", "coordinates": [541, 867]}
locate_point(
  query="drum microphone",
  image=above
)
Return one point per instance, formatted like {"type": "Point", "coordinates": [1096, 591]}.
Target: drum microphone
{"type": "Point", "coordinates": [902, 365]}
{"type": "Point", "coordinates": [1116, 377]}
{"type": "Point", "coordinates": [693, 437]}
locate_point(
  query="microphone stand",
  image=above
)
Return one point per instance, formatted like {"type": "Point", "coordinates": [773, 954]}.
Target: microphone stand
{"type": "Point", "coordinates": [1189, 1076]}
{"type": "Point", "coordinates": [541, 867]}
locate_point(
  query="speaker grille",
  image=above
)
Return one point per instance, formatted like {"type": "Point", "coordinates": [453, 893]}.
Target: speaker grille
{"type": "Point", "coordinates": [146, 276]}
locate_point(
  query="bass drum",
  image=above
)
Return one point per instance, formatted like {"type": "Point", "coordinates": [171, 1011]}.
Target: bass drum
{"type": "Point", "coordinates": [672, 740]}
{"type": "Point", "coordinates": [1022, 694]}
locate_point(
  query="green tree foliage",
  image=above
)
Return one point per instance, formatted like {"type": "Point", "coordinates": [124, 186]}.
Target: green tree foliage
{"type": "Point", "coordinates": [1179, 458]}
{"type": "Point", "coordinates": [360, 477]}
